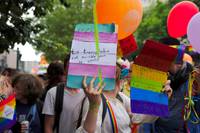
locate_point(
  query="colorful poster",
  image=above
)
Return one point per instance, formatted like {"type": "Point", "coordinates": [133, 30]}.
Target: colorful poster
{"type": "Point", "coordinates": [149, 74]}
{"type": "Point", "coordinates": [156, 55]}
{"type": "Point", "coordinates": [7, 113]}
{"type": "Point", "coordinates": [84, 60]}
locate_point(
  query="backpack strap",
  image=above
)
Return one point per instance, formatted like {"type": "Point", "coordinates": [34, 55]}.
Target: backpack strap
{"type": "Point", "coordinates": [105, 107]}
{"type": "Point", "coordinates": [80, 114]}
{"type": "Point", "coordinates": [39, 105]}
{"type": "Point", "coordinates": [58, 105]}
{"type": "Point", "coordinates": [119, 98]}
{"type": "Point", "coordinates": [103, 114]}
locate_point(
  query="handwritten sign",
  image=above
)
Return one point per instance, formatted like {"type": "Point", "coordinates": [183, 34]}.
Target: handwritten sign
{"type": "Point", "coordinates": [84, 60]}
{"type": "Point", "coordinates": [128, 45]}
{"type": "Point", "coordinates": [85, 53]}
{"type": "Point", "coordinates": [149, 73]}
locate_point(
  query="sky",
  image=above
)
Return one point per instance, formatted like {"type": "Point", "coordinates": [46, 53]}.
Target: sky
{"type": "Point", "coordinates": [28, 53]}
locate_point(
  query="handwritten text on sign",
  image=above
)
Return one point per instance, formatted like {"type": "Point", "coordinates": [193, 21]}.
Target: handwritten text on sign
{"type": "Point", "coordinates": [85, 53]}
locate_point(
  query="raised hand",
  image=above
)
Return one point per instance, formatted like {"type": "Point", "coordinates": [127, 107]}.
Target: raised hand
{"type": "Point", "coordinates": [93, 93]}
{"type": "Point", "coordinates": [167, 89]}
{"type": "Point", "coordinates": [94, 96]}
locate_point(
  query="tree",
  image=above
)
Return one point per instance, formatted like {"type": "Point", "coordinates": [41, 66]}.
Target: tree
{"type": "Point", "coordinates": [56, 38]}
{"type": "Point", "coordinates": [15, 26]}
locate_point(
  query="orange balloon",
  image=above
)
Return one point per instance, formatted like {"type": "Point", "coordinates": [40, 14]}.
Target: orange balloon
{"type": "Point", "coordinates": [127, 14]}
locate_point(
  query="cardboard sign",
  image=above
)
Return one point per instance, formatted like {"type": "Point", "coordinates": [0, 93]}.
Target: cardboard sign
{"type": "Point", "coordinates": [84, 60]}
{"type": "Point", "coordinates": [128, 45]}
{"type": "Point", "coordinates": [149, 74]}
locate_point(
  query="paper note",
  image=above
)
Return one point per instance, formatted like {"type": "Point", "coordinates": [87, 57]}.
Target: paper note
{"type": "Point", "coordinates": [84, 60]}
{"type": "Point", "coordinates": [8, 112]}
{"type": "Point", "coordinates": [128, 45]}
{"type": "Point", "coordinates": [85, 53]}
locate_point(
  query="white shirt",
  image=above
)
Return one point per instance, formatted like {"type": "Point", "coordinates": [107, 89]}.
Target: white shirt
{"type": "Point", "coordinates": [121, 112]}
{"type": "Point", "coordinates": [71, 109]}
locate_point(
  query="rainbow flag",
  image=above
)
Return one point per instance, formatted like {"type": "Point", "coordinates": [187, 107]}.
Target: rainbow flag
{"type": "Point", "coordinates": [149, 73]}
{"type": "Point", "coordinates": [7, 113]}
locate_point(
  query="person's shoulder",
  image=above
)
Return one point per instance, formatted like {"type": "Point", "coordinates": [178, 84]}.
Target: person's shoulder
{"type": "Point", "coordinates": [122, 95]}
{"type": "Point", "coordinates": [52, 91]}
{"type": "Point", "coordinates": [81, 91]}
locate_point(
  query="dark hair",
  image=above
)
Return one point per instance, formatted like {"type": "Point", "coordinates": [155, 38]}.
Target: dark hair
{"type": "Point", "coordinates": [30, 85]}
{"type": "Point", "coordinates": [195, 57]}
{"type": "Point", "coordinates": [55, 69]}
{"type": "Point", "coordinates": [170, 41]}
{"type": "Point", "coordinates": [55, 73]}
{"type": "Point", "coordinates": [10, 72]}
{"type": "Point", "coordinates": [66, 61]}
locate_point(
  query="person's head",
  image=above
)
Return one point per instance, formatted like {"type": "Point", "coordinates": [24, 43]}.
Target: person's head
{"type": "Point", "coordinates": [178, 62]}
{"type": "Point", "coordinates": [27, 87]}
{"type": "Point", "coordinates": [174, 68]}
{"type": "Point", "coordinates": [9, 72]}
{"type": "Point", "coordinates": [55, 73]}
{"type": "Point", "coordinates": [122, 71]}
{"type": "Point", "coordinates": [195, 57]}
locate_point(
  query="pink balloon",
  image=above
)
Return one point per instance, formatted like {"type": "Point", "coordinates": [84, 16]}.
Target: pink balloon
{"type": "Point", "coordinates": [179, 17]}
{"type": "Point", "coordinates": [193, 32]}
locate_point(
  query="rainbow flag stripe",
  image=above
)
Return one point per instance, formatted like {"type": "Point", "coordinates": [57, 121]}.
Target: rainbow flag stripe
{"type": "Point", "coordinates": [10, 120]}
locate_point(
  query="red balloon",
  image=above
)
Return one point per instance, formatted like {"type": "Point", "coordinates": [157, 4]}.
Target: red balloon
{"type": "Point", "coordinates": [179, 17]}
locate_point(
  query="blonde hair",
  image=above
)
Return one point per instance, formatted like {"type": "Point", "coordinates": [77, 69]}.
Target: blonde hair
{"type": "Point", "coordinates": [5, 86]}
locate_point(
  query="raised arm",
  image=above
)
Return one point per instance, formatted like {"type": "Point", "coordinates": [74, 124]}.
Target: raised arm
{"type": "Point", "coordinates": [94, 98]}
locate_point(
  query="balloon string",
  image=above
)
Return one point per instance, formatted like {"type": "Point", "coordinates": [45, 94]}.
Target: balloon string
{"type": "Point", "coordinates": [96, 35]}
{"type": "Point", "coordinates": [189, 107]}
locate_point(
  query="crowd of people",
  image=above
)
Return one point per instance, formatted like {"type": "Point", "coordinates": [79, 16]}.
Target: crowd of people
{"type": "Point", "coordinates": [50, 106]}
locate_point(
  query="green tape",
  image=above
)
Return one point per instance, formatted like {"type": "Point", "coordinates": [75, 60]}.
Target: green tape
{"type": "Point", "coordinates": [96, 35]}
{"type": "Point", "coordinates": [96, 31]}
{"type": "Point", "coordinates": [100, 74]}
{"type": "Point", "coordinates": [142, 83]}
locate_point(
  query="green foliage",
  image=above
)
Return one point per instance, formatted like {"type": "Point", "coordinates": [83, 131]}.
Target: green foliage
{"type": "Point", "coordinates": [55, 40]}
{"type": "Point", "coordinates": [153, 25]}
{"type": "Point", "coordinates": [14, 26]}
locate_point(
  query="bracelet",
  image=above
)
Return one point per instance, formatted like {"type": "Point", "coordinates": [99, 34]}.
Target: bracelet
{"type": "Point", "coordinates": [94, 107]}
